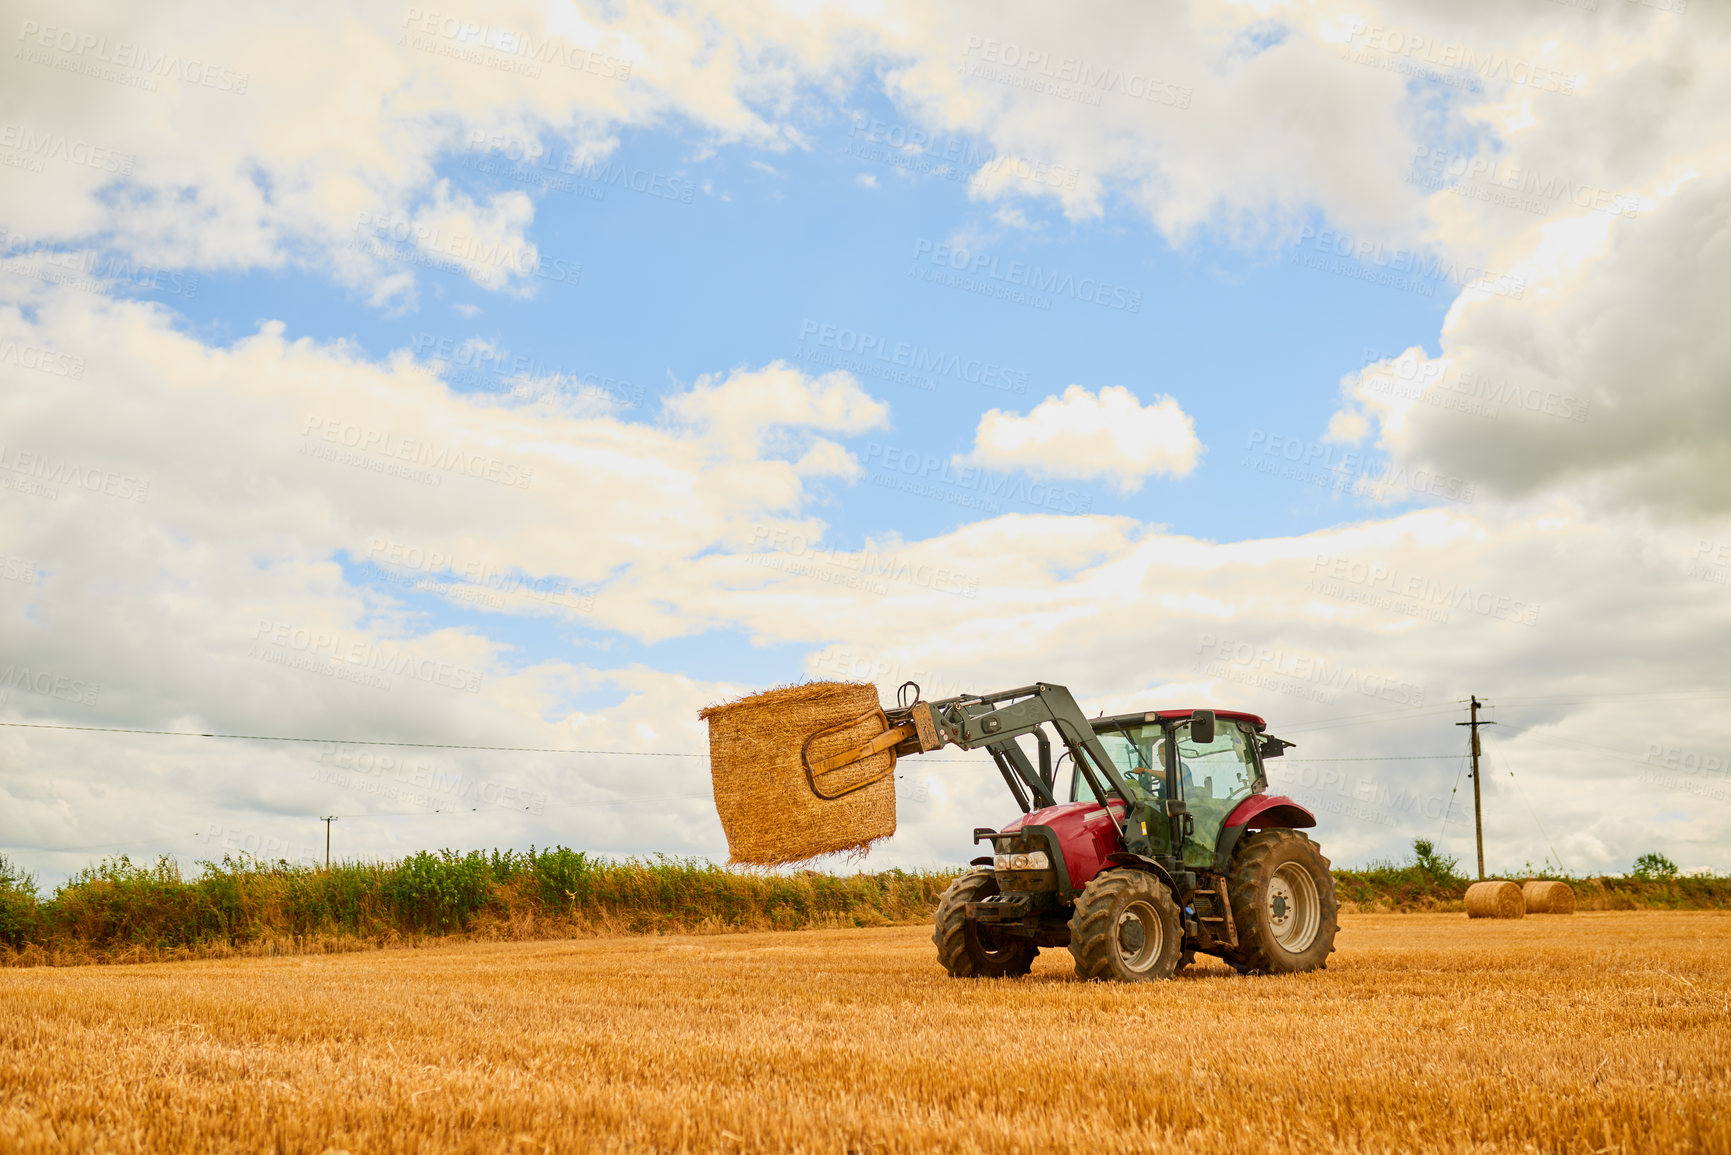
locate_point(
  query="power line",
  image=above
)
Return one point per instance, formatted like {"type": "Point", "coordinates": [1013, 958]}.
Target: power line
{"type": "Point", "coordinates": [1414, 714]}
{"type": "Point", "coordinates": [374, 742]}
{"type": "Point", "coordinates": [1454, 793]}
{"type": "Point", "coordinates": [1508, 768]}
{"type": "Point", "coordinates": [1390, 758]}
{"type": "Point", "coordinates": [630, 800]}
{"type": "Point", "coordinates": [1579, 699]}
{"type": "Point", "coordinates": [1375, 715]}
{"type": "Point", "coordinates": [1622, 754]}
{"type": "Point", "coordinates": [346, 741]}
{"type": "Point", "coordinates": [101, 845]}
{"type": "Point", "coordinates": [352, 817]}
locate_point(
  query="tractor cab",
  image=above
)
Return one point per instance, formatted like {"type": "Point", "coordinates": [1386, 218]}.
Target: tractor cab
{"type": "Point", "coordinates": [1161, 759]}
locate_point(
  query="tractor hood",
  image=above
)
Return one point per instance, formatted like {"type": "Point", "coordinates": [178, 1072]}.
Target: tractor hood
{"type": "Point", "coordinates": [1085, 834]}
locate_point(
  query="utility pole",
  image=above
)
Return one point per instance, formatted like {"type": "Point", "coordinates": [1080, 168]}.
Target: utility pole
{"type": "Point", "coordinates": [330, 818]}
{"type": "Point", "coordinates": [1478, 807]}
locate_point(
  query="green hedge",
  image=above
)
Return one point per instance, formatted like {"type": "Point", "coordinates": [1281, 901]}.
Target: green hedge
{"type": "Point", "coordinates": [1434, 881]}
{"type": "Point", "coordinates": [118, 907]}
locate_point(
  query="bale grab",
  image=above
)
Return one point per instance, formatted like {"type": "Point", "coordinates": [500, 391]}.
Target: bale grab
{"type": "Point", "coordinates": [802, 771]}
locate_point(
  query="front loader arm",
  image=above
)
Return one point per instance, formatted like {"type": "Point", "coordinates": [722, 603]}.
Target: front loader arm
{"type": "Point", "coordinates": [995, 721]}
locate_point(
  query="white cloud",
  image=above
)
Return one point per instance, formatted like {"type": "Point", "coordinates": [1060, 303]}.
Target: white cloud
{"type": "Point", "coordinates": [237, 609]}
{"type": "Point", "coordinates": [1261, 119]}
{"type": "Point", "coordinates": [343, 451]}
{"type": "Point", "coordinates": [1609, 373]}
{"type": "Point", "coordinates": [290, 167]}
{"type": "Point", "coordinates": [1100, 105]}
{"type": "Point", "coordinates": [1109, 435]}
{"type": "Point", "coordinates": [1078, 109]}
{"type": "Point", "coordinates": [234, 492]}
{"type": "Point", "coordinates": [825, 458]}
{"type": "Point", "coordinates": [284, 171]}
{"type": "Point", "coordinates": [1356, 642]}
{"type": "Point", "coordinates": [744, 410]}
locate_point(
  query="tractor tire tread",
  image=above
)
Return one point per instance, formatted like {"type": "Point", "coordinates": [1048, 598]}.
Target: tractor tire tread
{"type": "Point", "coordinates": [1091, 923]}
{"type": "Point", "coordinates": [1245, 876]}
{"type": "Point", "coordinates": [950, 933]}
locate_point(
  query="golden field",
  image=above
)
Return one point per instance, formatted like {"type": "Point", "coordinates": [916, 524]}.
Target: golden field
{"type": "Point", "coordinates": [1597, 1032]}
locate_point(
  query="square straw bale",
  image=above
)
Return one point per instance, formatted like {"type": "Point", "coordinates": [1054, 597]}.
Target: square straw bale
{"type": "Point", "coordinates": [767, 810]}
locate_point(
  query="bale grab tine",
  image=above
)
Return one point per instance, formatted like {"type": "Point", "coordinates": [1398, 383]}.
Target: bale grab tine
{"type": "Point", "coordinates": [887, 740]}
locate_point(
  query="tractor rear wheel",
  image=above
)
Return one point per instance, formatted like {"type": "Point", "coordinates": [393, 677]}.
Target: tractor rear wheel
{"type": "Point", "coordinates": [1126, 927]}
{"type": "Point", "coordinates": [1283, 904]}
{"type": "Point", "coordinates": [961, 949]}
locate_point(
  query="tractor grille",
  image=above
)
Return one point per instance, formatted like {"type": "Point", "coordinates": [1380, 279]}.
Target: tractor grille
{"type": "Point", "coordinates": [1023, 881]}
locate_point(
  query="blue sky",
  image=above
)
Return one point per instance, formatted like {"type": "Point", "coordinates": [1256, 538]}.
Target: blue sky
{"type": "Point", "coordinates": [739, 275]}
{"type": "Point", "coordinates": [788, 256]}
{"type": "Point", "coordinates": [1327, 264]}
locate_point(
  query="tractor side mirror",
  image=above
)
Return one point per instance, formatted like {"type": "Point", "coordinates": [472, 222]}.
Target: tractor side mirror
{"type": "Point", "coordinates": [1273, 748]}
{"type": "Point", "coordinates": [1202, 727]}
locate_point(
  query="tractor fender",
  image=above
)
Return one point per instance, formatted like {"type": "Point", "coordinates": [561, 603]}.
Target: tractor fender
{"type": "Point", "coordinates": [1258, 812]}
{"type": "Point", "coordinates": [1270, 812]}
{"type": "Point", "coordinates": [1144, 863]}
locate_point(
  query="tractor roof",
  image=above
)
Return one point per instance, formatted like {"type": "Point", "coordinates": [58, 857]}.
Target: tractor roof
{"type": "Point", "coordinates": [1151, 715]}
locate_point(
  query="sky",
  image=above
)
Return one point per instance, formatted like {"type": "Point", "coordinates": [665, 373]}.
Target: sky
{"type": "Point", "coordinates": [534, 375]}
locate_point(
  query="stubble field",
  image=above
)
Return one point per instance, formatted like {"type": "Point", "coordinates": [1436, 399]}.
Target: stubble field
{"type": "Point", "coordinates": [1597, 1032]}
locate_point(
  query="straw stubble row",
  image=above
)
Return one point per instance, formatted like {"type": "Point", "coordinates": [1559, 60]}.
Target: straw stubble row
{"type": "Point", "coordinates": [1417, 1037]}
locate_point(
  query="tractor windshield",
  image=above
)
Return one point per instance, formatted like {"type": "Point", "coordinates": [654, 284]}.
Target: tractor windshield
{"type": "Point", "coordinates": [1137, 752]}
{"type": "Point", "coordinates": [1217, 776]}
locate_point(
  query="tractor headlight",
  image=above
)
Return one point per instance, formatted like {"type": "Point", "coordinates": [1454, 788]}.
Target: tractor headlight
{"type": "Point", "coordinates": [1035, 860]}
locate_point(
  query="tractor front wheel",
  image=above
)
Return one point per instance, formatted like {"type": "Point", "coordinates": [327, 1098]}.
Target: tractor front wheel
{"type": "Point", "coordinates": [961, 949]}
{"type": "Point", "coordinates": [1282, 904]}
{"type": "Point", "coordinates": [1126, 927]}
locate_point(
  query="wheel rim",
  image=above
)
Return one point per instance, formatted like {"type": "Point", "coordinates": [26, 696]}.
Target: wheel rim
{"type": "Point", "coordinates": [1293, 909]}
{"type": "Point", "coordinates": [1139, 936]}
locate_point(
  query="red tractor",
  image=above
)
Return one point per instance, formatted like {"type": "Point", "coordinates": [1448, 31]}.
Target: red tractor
{"type": "Point", "coordinates": [1159, 842]}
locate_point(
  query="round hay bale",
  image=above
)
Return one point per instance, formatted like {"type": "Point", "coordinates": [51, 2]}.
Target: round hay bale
{"type": "Point", "coordinates": [767, 808]}
{"type": "Point", "coordinates": [1495, 900]}
{"type": "Point", "coordinates": [1548, 898]}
